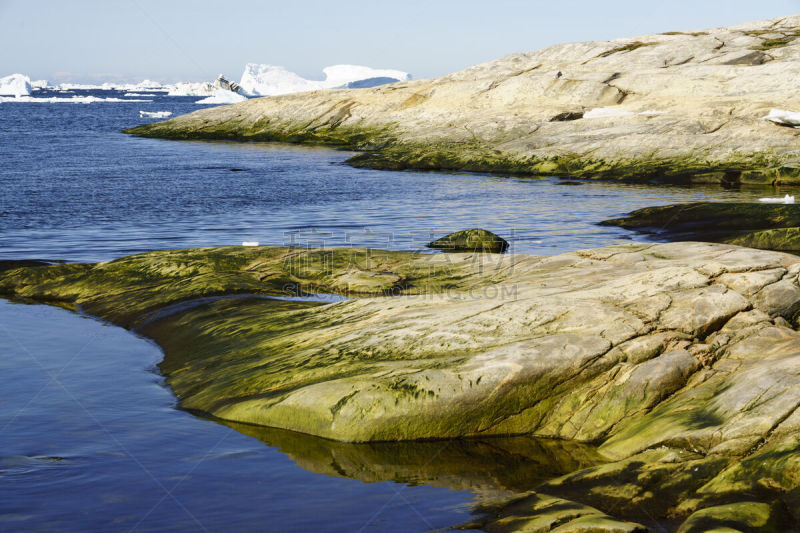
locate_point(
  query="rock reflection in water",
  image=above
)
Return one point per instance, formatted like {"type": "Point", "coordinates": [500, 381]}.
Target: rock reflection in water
{"type": "Point", "coordinates": [488, 467]}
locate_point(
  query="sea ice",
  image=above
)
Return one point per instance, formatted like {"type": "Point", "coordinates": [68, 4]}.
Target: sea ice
{"type": "Point", "coordinates": [781, 116]}
{"type": "Point", "coordinates": [66, 100]}
{"type": "Point", "coordinates": [269, 80]}
{"type": "Point", "coordinates": [155, 114]}
{"type": "Point", "coordinates": [221, 96]}
{"type": "Point", "coordinates": [15, 85]}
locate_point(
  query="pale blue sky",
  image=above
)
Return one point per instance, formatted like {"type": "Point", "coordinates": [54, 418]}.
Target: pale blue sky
{"type": "Point", "coordinates": [170, 40]}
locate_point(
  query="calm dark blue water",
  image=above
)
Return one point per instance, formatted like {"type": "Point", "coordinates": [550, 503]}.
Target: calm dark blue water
{"type": "Point", "coordinates": [89, 436]}
{"type": "Point", "coordinates": [74, 187]}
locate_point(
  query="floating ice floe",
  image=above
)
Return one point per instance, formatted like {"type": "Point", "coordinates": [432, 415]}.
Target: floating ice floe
{"type": "Point", "coordinates": [270, 80]}
{"type": "Point", "coordinates": [15, 85]}
{"type": "Point", "coordinates": [137, 94]}
{"type": "Point", "coordinates": [250, 243]}
{"type": "Point", "coordinates": [40, 84]}
{"type": "Point", "coordinates": [155, 114]}
{"type": "Point", "coordinates": [221, 96]}
{"type": "Point", "coordinates": [65, 100]}
{"type": "Point", "coordinates": [785, 200]}
{"type": "Point", "coordinates": [781, 116]}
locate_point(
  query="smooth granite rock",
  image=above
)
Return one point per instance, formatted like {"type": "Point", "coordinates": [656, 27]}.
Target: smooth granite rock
{"type": "Point", "coordinates": [678, 361]}
{"type": "Point", "coordinates": [680, 106]}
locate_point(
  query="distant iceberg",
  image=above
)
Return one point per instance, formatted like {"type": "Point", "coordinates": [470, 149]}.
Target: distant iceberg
{"type": "Point", "coordinates": [15, 85]}
{"type": "Point", "coordinates": [222, 96]}
{"type": "Point", "coordinates": [155, 114]}
{"type": "Point", "coordinates": [270, 80]}
{"type": "Point", "coordinates": [202, 88]}
{"type": "Point", "coordinates": [146, 85]}
{"type": "Point", "coordinates": [66, 100]}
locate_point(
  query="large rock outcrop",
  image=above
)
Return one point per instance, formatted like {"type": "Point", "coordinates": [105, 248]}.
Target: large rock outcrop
{"type": "Point", "coordinates": [683, 106]}
{"type": "Point", "coordinates": [679, 361]}
{"type": "Point", "coordinates": [755, 225]}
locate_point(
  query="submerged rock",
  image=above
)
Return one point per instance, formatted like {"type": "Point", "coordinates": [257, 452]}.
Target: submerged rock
{"type": "Point", "coordinates": [679, 361]}
{"type": "Point", "coordinates": [471, 240]}
{"type": "Point", "coordinates": [680, 106]}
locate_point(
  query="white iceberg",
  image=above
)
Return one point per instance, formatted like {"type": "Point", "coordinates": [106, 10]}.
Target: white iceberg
{"type": "Point", "coordinates": [155, 114]}
{"type": "Point", "coordinates": [67, 100]}
{"type": "Point", "coordinates": [189, 88]}
{"type": "Point", "coordinates": [270, 80]}
{"type": "Point", "coordinates": [221, 96]}
{"type": "Point", "coordinates": [15, 85]}
{"type": "Point", "coordinates": [785, 200]}
{"type": "Point", "coordinates": [40, 84]}
{"type": "Point", "coordinates": [606, 112]}
{"type": "Point", "coordinates": [781, 116]}
{"type": "Point", "coordinates": [250, 243]}
{"type": "Point", "coordinates": [142, 86]}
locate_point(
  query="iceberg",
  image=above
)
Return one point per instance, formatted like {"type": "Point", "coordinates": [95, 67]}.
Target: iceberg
{"type": "Point", "coordinates": [155, 114]}
{"type": "Point", "coordinates": [40, 84]}
{"type": "Point", "coordinates": [222, 96]}
{"type": "Point", "coordinates": [783, 117]}
{"type": "Point", "coordinates": [15, 85]}
{"type": "Point", "coordinates": [270, 80]}
{"type": "Point", "coordinates": [189, 88]}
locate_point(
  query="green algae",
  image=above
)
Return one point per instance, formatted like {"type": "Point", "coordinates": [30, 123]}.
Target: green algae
{"type": "Point", "coordinates": [473, 240]}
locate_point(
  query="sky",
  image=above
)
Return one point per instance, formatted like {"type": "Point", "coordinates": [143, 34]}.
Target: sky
{"type": "Point", "coordinates": [180, 40]}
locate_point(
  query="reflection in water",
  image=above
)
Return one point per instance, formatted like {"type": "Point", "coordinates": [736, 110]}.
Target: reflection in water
{"type": "Point", "coordinates": [488, 467]}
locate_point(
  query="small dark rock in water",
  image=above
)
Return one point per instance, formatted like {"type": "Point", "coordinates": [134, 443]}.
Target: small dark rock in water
{"type": "Point", "coordinates": [471, 240]}
{"type": "Point", "coordinates": [237, 170]}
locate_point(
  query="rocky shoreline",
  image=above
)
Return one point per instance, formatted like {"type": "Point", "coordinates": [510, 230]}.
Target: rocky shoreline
{"type": "Point", "coordinates": [674, 107]}
{"type": "Point", "coordinates": [677, 361]}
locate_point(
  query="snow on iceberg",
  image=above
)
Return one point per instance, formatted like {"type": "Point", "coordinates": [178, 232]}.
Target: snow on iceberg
{"type": "Point", "coordinates": [189, 88]}
{"type": "Point", "coordinates": [269, 80]}
{"type": "Point", "coordinates": [221, 96]}
{"type": "Point", "coordinates": [155, 114]}
{"type": "Point", "coordinates": [781, 116]}
{"type": "Point", "coordinates": [15, 85]}
{"type": "Point", "coordinates": [40, 84]}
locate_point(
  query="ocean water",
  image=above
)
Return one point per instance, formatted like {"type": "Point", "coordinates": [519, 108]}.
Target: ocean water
{"type": "Point", "coordinates": [90, 438]}
{"type": "Point", "coordinates": [74, 187]}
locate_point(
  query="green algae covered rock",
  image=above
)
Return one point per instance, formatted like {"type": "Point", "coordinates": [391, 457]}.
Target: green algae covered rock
{"type": "Point", "coordinates": [677, 361]}
{"type": "Point", "coordinates": [755, 225]}
{"type": "Point", "coordinates": [742, 516]}
{"type": "Point", "coordinates": [471, 240]}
